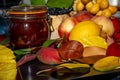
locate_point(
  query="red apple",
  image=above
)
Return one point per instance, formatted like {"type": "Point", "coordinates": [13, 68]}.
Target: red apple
{"type": "Point", "coordinates": [113, 49]}
{"type": "Point", "coordinates": [116, 36]}
{"type": "Point", "coordinates": [66, 26]}
{"type": "Point", "coordinates": [83, 15]}
{"type": "Point", "coordinates": [116, 23]}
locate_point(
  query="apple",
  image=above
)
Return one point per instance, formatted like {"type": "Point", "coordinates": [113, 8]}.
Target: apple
{"type": "Point", "coordinates": [56, 21]}
{"type": "Point", "coordinates": [113, 49]}
{"type": "Point", "coordinates": [83, 15]}
{"type": "Point", "coordinates": [116, 23]}
{"type": "Point", "coordinates": [116, 36]}
{"type": "Point", "coordinates": [66, 26]}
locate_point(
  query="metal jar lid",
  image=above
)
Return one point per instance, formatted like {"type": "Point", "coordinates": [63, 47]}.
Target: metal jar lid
{"type": "Point", "coordinates": [27, 10]}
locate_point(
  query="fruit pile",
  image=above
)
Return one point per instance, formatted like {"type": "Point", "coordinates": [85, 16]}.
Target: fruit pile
{"type": "Point", "coordinates": [96, 7]}
{"type": "Point", "coordinates": [93, 30]}
{"type": "Point", "coordinates": [89, 34]}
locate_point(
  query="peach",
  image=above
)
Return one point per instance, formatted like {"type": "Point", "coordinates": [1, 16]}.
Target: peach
{"type": "Point", "coordinates": [48, 55]}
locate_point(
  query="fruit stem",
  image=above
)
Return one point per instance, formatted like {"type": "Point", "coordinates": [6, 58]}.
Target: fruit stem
{"type": "Point", "coordinates": [48, 70]}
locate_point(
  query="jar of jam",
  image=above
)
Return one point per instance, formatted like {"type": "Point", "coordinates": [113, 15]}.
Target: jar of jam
{"type": "Point", "coordinates": [28, 26]}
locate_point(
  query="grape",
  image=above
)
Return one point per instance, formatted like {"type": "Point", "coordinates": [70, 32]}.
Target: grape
{"type": "Point", "coordinates": [58, 11]}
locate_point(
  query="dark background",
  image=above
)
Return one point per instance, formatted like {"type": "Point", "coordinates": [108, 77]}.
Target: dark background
{"type": "Point", "coordinates": [4, 4]}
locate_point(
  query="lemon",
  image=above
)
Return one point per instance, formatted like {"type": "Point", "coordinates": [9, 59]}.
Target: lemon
{"type": "Point", "coordinates": [107, 64]}
{"type": "Point", "coordinates": [94, 41]}
{"type": "Point", "coordinates": [85, 29]}
{"type": "Point", "coordinates": [88, 33]}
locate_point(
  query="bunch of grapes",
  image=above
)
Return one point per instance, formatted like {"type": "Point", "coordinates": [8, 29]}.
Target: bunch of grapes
{"type": "Point", "coordinates": [59, 11]}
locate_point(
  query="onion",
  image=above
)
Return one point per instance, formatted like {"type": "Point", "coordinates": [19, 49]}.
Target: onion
{"type": "Point", "coordinates": [71, 50]}
{"type": "Point", "coordinates": [93, 51]}
{"type": "Point", "coordinates": [106, 23]}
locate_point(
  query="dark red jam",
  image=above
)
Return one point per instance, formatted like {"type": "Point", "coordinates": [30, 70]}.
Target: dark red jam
{"type": "Point", "coordinates": [28, 26]}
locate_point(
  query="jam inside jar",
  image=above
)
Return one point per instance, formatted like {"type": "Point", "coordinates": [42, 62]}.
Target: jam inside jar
{"type": "Point", "coordinates": [28, 26]}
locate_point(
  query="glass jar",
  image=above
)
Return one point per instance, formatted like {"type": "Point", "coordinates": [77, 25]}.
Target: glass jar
{"type": "Point", "coordinates": [28, 26]}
